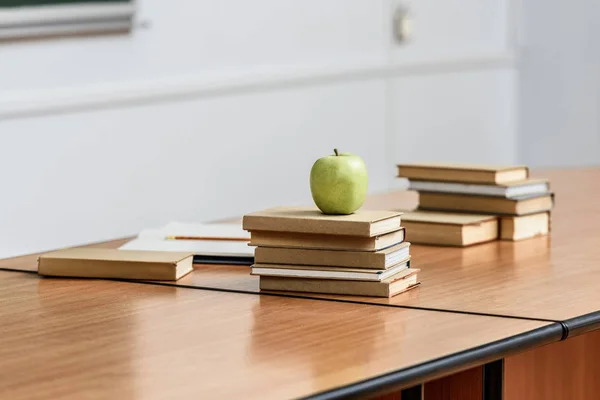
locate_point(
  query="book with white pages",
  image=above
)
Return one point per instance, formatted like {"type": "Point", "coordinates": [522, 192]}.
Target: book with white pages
{"type": "Point", "coordinates": [200, 231]}
{"type": "Point", "coordinates": [379, 260]}
{"type": "Point", "coordinates": [303, 271]}
{"type": "Point", "coordinates": [210, 243]}
{"type": "Point", "coordinates": [508, 190]}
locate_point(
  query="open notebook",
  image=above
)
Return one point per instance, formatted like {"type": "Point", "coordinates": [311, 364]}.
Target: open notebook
{"type": "Point", "coordinates": [210, 243]}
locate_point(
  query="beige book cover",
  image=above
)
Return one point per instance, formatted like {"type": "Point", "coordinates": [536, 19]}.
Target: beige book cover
{"type": "Point", "coordinates": [325, 272]}
{"type": "Point", "coordinates": [367, 223]}
{"type": "Point", "coordinates": [293, 240]}
{"type": "Point", "coordinates": [456, 172]}
{"type": "Point", "coordinates": [113, 263]}
{"type": "Point", "coordinates": [524, 227]}
{"type": "Point", "coordinates": [449, 229]}
{"type": "Point", "coordinates": [508, 190]}
{"type": "Point", "coordinates": [378, 260]}
{"type": "Point", "coordinates": [403, 281]}
{"type": "Point", "coordinates": [486, 204]}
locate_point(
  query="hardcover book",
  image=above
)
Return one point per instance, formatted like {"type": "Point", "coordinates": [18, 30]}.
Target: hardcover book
{"type": "Point", "coordinates": [404, 281]}
{"type": "Point", "coordinates": [508, 190]}
{"type": "Point", "coordinates": [378, 260]}
{"type": "Point", "coordinates": [524, 227]}
{"type": "Point", "coordinates": [113, 263]}
{"type": "Point", "coordinates": [292, 240]}
{"type": "Point", "coordinates": [470, 173]}
{"type": "Point", "coordinates": [366, 223]}
{"type": "Point", "coordinates": [321, 272]}
{"type": "Point", "coordinates": [486, 204]}
{"type": "Point", "coordinates": [450, 229]}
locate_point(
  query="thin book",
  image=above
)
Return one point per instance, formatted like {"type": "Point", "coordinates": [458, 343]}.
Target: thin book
{"type": "Point", "coordinates": [403, 281]}
{"type": "Point", "coordinates": [363, 223]}
{"type": "Point", "coordinates": [466, 173]}
{"type": "Point", "coordinates": [303, 271]}
{"type": "Point", "coordinates": [85, 262]}
{"type": "Point", "coordinates": [378, 260]}
{"type": "Point", "coordinates": [450, 229]}
{"type": "Point", "coordinates": [508, 190]}
{"type": "Point", "coordinates": [292, 240]}
{"type": "Point", "coordinates": [521, 205]}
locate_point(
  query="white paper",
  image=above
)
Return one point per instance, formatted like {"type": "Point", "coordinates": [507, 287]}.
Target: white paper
{"type": "Point", "coordinates": [156, 240]}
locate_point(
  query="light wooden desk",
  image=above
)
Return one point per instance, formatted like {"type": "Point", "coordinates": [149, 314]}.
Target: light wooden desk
{"type": "Point", "coordinates": [553, 279]}
{"type": "Point", "coordinates": [73, 339]}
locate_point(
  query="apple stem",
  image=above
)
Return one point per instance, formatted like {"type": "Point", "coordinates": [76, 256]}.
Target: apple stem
{"type": "Point", "coordinates": [336, 152]}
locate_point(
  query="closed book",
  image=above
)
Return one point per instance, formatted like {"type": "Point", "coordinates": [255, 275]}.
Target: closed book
{"type": "Point", "coordinates": [472, 173]}
{"type": "Point", "coordinates": [322, 272]}
{"type": "Point", "coordinates": [405, 280]}
{"type": "Point", "coordinates": [486, 204]}
{"type": "Point", "coordinates": [325, 242]}
{"type": "Point", "coordinates": [450, 229]}
{"type": "Point", "coordinates": [378, 260]}
{"type": "Point", "coordinates": [114, 263]}
{"type": "Point", "coordinates": [508, 190]}
{"type": "Point", "coordinates": [367, 223]}
{"type": "Point", "coordinates": [524, 227]}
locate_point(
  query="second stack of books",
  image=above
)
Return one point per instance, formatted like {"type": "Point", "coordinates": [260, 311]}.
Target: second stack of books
{"type": "Point", "coordinates": [304, 250]}
{"type": "Point", "coordinates": [462, 204]}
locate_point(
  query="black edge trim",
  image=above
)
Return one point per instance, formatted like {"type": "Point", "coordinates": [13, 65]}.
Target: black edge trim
{"type": "Point", "coordinates": [223, 260]}
{"type": "Point", "coordinates": [565, 329]}
{"type": "Point", "coordinates": [493, 380]}
{"type": "Point", "coordinates": [25, 271]}
{"type": "Point", "coordinates": [431, 369]}
{"type": "Point", "coordinates": [583, 323]}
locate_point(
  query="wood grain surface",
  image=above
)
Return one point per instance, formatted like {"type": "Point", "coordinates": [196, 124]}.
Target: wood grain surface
{"type": "Point", "coordinates": [465, 385]}
{"type": "Point", "coordinates": [73, 339]}
{"type": "Point", "coordinates": [554, 277]}
{"type": "Point", "coordinates": [561, 370]}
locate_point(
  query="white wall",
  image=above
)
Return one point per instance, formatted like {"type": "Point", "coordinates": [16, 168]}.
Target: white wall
{"type": "Point", "coordinates": [455, 117]}
{"type": "Point", "coordinates": [560, 83]}
{"type": "Point", "coordinates": [221, 108]}
{"type": "Point", "coordinates": [95, 175]}
{"type": "Point", "coordinates": [205, 39]}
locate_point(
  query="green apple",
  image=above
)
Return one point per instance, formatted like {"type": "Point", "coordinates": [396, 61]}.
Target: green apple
{"type": "Point", "coordinates": [338, 183]}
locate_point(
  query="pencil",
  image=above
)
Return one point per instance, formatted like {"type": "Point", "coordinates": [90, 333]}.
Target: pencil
{"type": "Point", "coordinates": [215, 238]}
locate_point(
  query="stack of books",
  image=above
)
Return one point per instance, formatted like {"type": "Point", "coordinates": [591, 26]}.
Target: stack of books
{"type": "Point", "coordinates": [304, 250]}
{"type": "Point", "coordinates": [463, 204]}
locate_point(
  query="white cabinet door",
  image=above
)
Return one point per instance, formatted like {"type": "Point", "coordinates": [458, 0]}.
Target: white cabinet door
{"type": "Point", "coordinates": [453, 29]}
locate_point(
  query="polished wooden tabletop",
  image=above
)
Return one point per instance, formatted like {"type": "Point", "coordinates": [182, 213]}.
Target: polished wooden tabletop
{"type": "Point", "coordinates": [70, 339]}
{"type": "Point", "coordinates": [554, 278]}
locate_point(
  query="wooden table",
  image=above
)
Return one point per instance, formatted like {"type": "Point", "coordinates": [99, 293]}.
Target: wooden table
{"type": "Point", "coordinates": [550, 280]}
{"type": "Point", "coordinates": [69, 338]}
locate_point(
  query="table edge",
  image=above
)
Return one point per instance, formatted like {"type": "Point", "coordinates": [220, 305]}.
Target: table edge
{"type": "Point", "coordinates": [581, 324]}
{"type": "Point", "coordinates": [419, 373]}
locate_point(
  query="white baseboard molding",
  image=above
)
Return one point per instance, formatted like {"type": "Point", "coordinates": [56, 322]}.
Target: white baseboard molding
{"type": "Point", "coordinates": [23, 104]}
